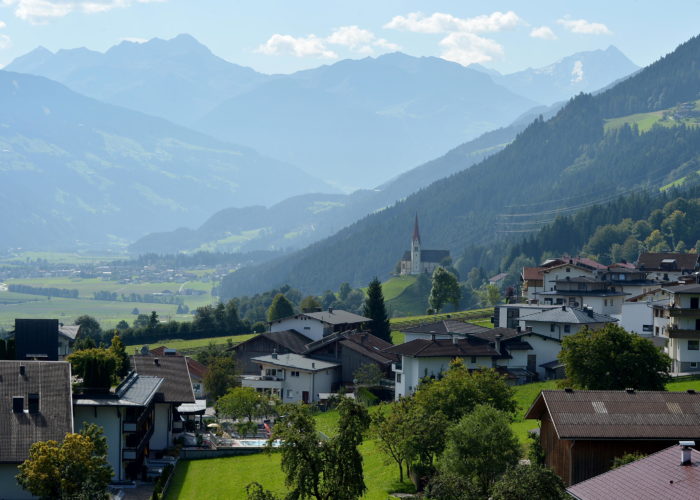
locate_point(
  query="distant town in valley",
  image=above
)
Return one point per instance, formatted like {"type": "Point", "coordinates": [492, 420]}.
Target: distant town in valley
{"type": "Point", "coordinates": [439, 253]}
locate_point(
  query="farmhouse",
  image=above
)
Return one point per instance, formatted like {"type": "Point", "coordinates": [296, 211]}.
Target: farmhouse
{"type": "Point", "coordinates": [281, 342]}
{"type": "Point", "coordinates": [581, 432]}
{"type": "Point", "coordinates": [316, 325]}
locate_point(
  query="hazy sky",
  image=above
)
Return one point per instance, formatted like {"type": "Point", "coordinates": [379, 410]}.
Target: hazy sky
{"type": "Point", "coordinates": [288, 35]}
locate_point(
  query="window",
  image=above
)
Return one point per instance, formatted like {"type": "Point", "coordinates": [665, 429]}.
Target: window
{"type": "Point", "coordinates": [694, 303]}
{"type": "Point", "coordinates": [398, 378]}
{"type": "Point", "coordinates": [568, 270]}
{"type": "Point", "coordinates": [605, 302]}
{"type": "Point", "coordinates": [657, 330]}
{"type": "Point", "coordinates": [473, 359]}
{"type": "Point", "coordinates": [270, 371]}
{"type": "Point", "coordinates": [551, 327]}
{"type": "Point", "coordinates": [567, 328]}
{"type": "Point", "coordinates": [693, 364]}
{"type": "Point", "coordinates": [694, 345]}
{"type": "Point", "coordinates": [289, 393]}
{"type": "Point", "coordinates": [294, 374]}
{"type": "Point", "coordinates": [647, 328]}
{"type": "Point", "coordinates": [581, 286]}
{"type": "Point", "coordinates": [307, 328]}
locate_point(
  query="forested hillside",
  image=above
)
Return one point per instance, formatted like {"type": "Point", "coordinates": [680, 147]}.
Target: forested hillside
{"type": "Point", "coordinates": [567, 162]}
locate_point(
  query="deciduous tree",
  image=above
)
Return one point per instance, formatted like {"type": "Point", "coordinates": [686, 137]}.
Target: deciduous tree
{"type": "Point", "coordinates": [524, 482]}
{"type": "Point", "coordinates": [119, 352]}
{"type": "Point", "coordinates": [611, 358]}
{"type": "Point", "coordinates": [97, 367]}
{"type": "Point", "coordinates": [221, 376]}
{"type": "Point", "coordinates": [280, 308]}
{"type": "Point", "coordinates": [445, 289]}
{"type": "Point", "coordinates": [244, 404]}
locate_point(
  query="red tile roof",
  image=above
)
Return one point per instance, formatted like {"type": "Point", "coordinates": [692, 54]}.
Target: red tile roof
{"type": "Point", "coordinates": [533, 273]}
{"type": "Point", "coordinates": [658, 476]}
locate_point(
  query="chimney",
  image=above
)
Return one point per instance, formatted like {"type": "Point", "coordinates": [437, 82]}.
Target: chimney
{"type": "Point", "coordinates": [156, 361]}
{"type": "Point", "coordinates": [686, 450]}
{"type": "Point", "coordinates": [22, 370]}
{"type": "Point", "coordinates": [274, 354]}
{"type": "Point", "coordinates": [498, 338]}
{"type": "Point", "coordinates": [629, 390]}
{"type": "Point", "coordinates": [330, 310]}
{"type": "Point", "coordinates": [568, 389]}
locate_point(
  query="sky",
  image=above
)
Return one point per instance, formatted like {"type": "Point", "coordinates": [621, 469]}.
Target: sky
{"type": "Point", "coordinates": [283, 36]}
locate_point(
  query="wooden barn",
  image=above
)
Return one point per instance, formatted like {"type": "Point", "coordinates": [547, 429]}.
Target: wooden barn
{"type": "Point", "coordinates": [582, 432]}
{"type": "Point", "coordinates": [283, 342]}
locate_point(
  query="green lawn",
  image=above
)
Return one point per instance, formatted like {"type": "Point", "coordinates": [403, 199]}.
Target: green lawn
{"type": "Point", "coordinates": [184, 345]}
{"type": "Point", "coordinates": [396, 285]}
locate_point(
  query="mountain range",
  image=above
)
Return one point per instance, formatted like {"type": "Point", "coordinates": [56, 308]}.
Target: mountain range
{"type": "Point", "coordinates": [78, 172]}
{"type": "Point", "coordinates": [573, 160]}
{"type": "Point", "coordinates": [355, 123]}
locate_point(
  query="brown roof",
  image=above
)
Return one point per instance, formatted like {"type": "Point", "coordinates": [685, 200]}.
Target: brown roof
{"type": "Point", "coordinates": [369, 345]}
{"type": "Point", "coordinates": [652, 261]}
{"type": "Point", "coordinates": [446, 327]}
{"type": "Point", "coordinates": [196, 368]}
{"type": "Point", "coordinates": [658, 476]}
{"type": "Point", "coordinates": [424, 348]}
{"type": "Point", "coordinates": [578, 414]}
{"type": "Point", "coordinates": [532, 273]}
{"type": "Point", "coordinates": [332, 317]}
{"type": "Point", "coordinates": [177, 386]}
{"type": "Point", "coordinates": [290, 339]}
{"type": "Point", "coordinates": [51, 381]}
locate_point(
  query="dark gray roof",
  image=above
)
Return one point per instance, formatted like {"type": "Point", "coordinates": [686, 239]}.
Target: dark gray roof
{"type": "Point", "coordinates": [584, 293]}
{"type": "Point", "coordinates": [649, 261]}
{"type": "Point", "coordinates": [505, 333]}
{"type": "Point", "coordinates": [295, 361]}
{"type": "Point", "coordinates": [135, 390]}
{"type": "Point", "coordinates": [570, 315]}
{"type": "Point", "coordinates": [176, 386]}
{"type": "Point", "coordinates": [289, 339]}
{"type": "Point", "coordinates": [578, 414]}
{"type": "Point", "coordinates": [651, 478]}
{"type": "Point", "coordinates": [337, 317]}
{"type": "Point", "coordinates": [692, 288]}
{"type": "Point", "coordinates": [51, 381]}
{"type": "Point", "coordinates": [424, 348]}
{"type": "Point", "coordinates": [446, 327]}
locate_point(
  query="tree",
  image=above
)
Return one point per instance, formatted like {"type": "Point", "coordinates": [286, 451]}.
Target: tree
{"type": "Point", "coordinates": [344, 291]}
{"type": "Point", "coordinates": [97, 367]}
{"type": "Point", "coordinates": [280, 308]}
{"type": "Point", "coordinates": [627, 458]}
{"type": "Point", "coordinates": [75, 468]}
{"type": "Point", "coordinates": [119, 352]}
{"type": "Point", "coordinates": [153, 321]}
{"type": "Point", "coordinates": [460, 391]}
{"type": "Point", "coordinates": [445, 289]}
{"type": "Point", "coordinates": [524, 482]}
{"type": "Point", "coordinates": [489, 295]}
{"type": "Point", "coordinates": [481, 446]}
{"type": "Point", "coordinates": [368, 374]}
{"type": "Point", "coordinates": [317, 469]}
{"type": "Point", "coordinates": [613, 359]}
{"type": "Point", "coordinates": [220, 377]}
{"type": "Point", "coordinates": [141, 321]}
{"type": "Point", "coordinates": [310, 304]}
{"type": "Point", "coordinates": [89, 327]}
{"type": "Point", "coordinates": [122, 325]}
{"type": "Point", "coordinates": [375, 310]}
{"type": "Point", "coordinates": [389, 427]}
{"type": "Point", "coordinates": [244, 403]}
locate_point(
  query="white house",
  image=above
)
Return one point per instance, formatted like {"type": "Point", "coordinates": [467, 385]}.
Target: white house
{"type": "Point", "coordinates": [316, 325]}
{"type": "Point", "coordinates": [127, 420]}
{"type": "Point", "coordinates": [678, 320]}
{"type": "Point", "coordinates": [293, 377]}
{"type": "Point", "coordinates": [602, 297]}
{"type": "Point", "coordinates": [667, 266]}
{"type": "Point", "coordinates": [35, 405]}
{"type": "Point", "coordinates": [562, 321]}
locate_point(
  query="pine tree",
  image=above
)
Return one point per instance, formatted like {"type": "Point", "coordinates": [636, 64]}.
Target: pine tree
{"type": "Point", "coordinates": [375, 309]}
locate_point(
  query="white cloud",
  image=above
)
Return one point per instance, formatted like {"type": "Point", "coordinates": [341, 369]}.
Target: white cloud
{"type": "Point", "coordinates": [133, 39]}
{"type": "Point", "coordinates": [353, 38]}
{"type": "Point", "coordinates": [308, 46]}
{"type": "Point", "coordinates": [583, 27]}
{"type": "Point", "coordinates": [2, 25]}
{"type": "Point", "coordinates": [577, 72]}
{"type": "Point", "coordinates": [468, 48]}
{"type": "Point", "coordinates": [543, 32]}
{"type": "Point", "coordinates": [40, 11]}
{"type": "Point", "coordinates": [440, 22]}
{"type": "Point", "coordinates": [5, 41]}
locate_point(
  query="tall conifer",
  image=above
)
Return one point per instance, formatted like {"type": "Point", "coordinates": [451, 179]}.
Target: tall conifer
{"type": "Point", "coordinates": [375, 309]}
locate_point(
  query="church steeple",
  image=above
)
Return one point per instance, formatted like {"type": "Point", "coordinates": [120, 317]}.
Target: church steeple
{"type": "Point", "coordinates": [416, 232]}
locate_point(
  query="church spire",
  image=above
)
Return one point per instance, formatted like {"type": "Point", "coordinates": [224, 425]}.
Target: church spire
{"type": "Point", "coordinates": [416, 233]}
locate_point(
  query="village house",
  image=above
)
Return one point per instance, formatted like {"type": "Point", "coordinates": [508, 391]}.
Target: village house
{"type": "Point", "coordinates": [582, 432]}
{"type": "Point", "coordinates": [444, 329]}
{"type": "Point", "coordinates": [44, 339]}
{"type": "Point", "coordinates": [532, 283]}
{"type": "Point", "coordinates": [281, 342]}
{"type": "Point", "coordinates": [316, 325]}
{"type": "Point", "coordinates": [637, 315]}
{"type": "Point", "coordinates": [127, 418]}
{"type": "Point", "coordinates": [293, 378]}
{"type": "Point", "coordinates": [672, 473]}
{"type": "Point", "coordinates": [353, 350]}
{"type": "Point", "coordinates": [197, 370]}
{"type": "Point", "coordinates": [560, 321]}
{"type": "Point", "coordinates": [677, 319]}
{"type": "Point", "coordinates": [667, 266]}
{"type": "Point", "coordinates": [419, 261]}
{"type": "Point", "coordinates": [508, 315]}
{"type": "Point", "coordinates": [35, 405]}
{"type": "Point", "coordinates": [175, 390]}
{"type": "Point", "coordinates": [584, 291]}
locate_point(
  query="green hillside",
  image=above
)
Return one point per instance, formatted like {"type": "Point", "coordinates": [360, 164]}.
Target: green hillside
{"type": "Point", "coordinates": [687, 114]}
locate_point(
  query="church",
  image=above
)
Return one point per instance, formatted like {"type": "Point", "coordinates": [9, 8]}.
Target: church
{"type": "Point", "coordinates": [416, 260]}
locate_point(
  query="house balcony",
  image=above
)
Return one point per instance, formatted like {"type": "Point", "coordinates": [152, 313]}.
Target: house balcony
{"type": "Point", "coordinates": [679, 333]}
{"type": "Point", "coordinates": [262, 382]}
{"type": "Point", "coordinates": [682, 312]}
{"type": "Point", "coordinates": [134, 444]}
